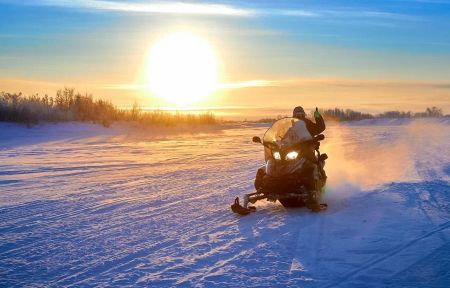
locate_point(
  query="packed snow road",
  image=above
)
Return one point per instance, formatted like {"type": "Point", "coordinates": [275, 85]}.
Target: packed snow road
{"type": "Point", "coordinates": [85, 206]}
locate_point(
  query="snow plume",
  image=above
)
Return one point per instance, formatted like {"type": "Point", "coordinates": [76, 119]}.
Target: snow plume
{"type": "Point", "coordinates": [399, 151]}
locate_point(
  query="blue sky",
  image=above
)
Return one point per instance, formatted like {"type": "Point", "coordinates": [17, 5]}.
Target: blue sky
{"type": "Point", "coordinates": [92, 44]}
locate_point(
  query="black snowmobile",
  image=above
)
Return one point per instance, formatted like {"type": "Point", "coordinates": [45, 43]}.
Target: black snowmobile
{"type": "Point", "coordinates": [293, 173]}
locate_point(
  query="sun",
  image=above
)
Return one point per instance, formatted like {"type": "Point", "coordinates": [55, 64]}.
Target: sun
{"type": "Point", "coordinates": [182, 68]}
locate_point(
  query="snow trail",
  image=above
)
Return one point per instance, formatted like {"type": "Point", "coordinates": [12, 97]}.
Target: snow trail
{"type": "Point", "coordinates": [87, 206]}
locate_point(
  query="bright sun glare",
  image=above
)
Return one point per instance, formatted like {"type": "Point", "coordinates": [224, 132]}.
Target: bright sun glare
{"type": "Point", "coordinates": [182, 68]}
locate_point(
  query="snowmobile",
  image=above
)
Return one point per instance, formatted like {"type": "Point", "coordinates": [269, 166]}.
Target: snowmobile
{"type": "Point", "coordinates": [293, 173]}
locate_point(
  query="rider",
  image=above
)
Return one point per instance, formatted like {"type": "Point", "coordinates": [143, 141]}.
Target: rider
{"type": "Point", "coordinates": [313, 128]}
{"type": "Point", "coordinates": [308, 150]}
{"type": "Point", "coordinates": [306, 129]}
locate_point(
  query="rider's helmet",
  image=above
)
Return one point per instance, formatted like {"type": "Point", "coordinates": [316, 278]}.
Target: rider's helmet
{"type": "Point", "coordinates": [298, 112]}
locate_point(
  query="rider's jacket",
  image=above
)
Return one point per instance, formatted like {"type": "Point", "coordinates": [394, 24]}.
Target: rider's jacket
{"type": "Point", "coordinates": [314, 128]}
{"type": "Point", "coordinates": [305, 130]}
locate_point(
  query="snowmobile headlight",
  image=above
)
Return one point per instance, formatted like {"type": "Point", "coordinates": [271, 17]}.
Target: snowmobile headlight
{"type": "Point", "coordinates": [292, 155]}
{"type": "Point", "coordinates": [276, 155]}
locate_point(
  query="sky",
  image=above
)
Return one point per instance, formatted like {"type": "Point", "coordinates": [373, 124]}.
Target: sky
{"type": "Point", "coordinates": [366, 55]}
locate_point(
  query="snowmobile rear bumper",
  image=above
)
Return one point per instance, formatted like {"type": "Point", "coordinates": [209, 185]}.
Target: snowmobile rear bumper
{"type": "Point", "coordinates": [237, 208]}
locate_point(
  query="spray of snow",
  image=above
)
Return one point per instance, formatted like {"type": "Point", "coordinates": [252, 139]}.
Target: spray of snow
{"type": "Point", "coordinates": [361, 159]}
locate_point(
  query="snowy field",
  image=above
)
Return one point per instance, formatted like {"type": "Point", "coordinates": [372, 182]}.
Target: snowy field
{"type": "Point", "coordinates": [82, 205]}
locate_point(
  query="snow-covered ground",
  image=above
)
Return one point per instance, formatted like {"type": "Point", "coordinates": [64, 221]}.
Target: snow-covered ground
{"type": "Point", "coordinates": [82, 205]}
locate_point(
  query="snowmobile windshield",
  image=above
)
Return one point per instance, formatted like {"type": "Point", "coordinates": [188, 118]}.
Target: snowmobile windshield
{"type": "Point", "coordinates": [282, 134]}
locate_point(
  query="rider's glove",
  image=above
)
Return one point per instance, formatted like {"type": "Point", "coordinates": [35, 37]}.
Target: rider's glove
{"type": "Point", "coordinates": [316, 113]}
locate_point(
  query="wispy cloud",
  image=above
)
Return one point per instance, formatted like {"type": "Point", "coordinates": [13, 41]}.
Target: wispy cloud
{"type": "Point", "coordinates": [344, 82]}
{"type": "Point", "coordinates": [299, 82]}
{"type": "Point", "coordinates": [229, 85]}
{"type": "Point", "coordinates": [125, 86]}
{"type": "Point", "coordinates": [291, 12]}
{"type": "Point", "coordinates": [211, 8]}
{"type": "Point", "coordinates": [337, 13]}
{"type": "Point", "coordinates": [367, 14]}
{"type": "Point", "coordinates": [152, 7]}
{"type": "Point", "coordinates": [245, 84]}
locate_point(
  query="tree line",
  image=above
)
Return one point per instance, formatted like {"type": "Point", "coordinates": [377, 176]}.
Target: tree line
{"type": "Point", "coordinates": [69, 105]}
{"type": "Point", "coordinates": [351, 115]}
{"type": "Point", "coordinates": [339, 114]}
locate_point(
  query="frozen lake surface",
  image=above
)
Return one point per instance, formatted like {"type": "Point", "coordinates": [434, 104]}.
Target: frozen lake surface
{"type": "Point", "coordinates": [81, 205]}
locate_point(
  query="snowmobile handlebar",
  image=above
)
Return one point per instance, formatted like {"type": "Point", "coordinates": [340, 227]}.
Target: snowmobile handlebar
{"type": "Point", "coordinates": [256, 139]}
{"type": "Point", "coordinates": [314, 141]}
{"type": "Point", "coordinates": [319, 137]}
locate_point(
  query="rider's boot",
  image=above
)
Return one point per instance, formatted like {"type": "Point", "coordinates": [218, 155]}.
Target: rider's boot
{"type": "Point", "coordinates": [312, 203]}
